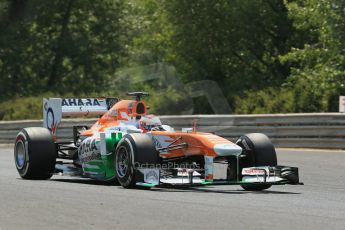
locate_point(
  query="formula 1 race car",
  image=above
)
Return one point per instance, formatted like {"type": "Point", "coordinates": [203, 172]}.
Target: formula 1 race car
{"type": "Point", "coordinates": [134, 149]}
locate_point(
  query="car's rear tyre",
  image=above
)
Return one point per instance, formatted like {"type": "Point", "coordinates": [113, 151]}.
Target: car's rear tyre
{"type": "Point", "coordinates": [35, 153]}
{"type": "Point", "coordinates": [258, 150]}
{"type": "Point", "coordinates": [132, 151]}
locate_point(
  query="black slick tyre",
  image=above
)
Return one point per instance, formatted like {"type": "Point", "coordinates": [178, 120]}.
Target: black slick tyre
{"type": "Point", "coordinates": [35, 153]}
{"type": "Point", "coordinates": [132, 151]}
{"type": "Point", "coordinates": [258, 150]}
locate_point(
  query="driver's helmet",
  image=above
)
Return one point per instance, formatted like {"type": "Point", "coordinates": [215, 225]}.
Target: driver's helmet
{"type": "Point", "coordinates": [150, 122]}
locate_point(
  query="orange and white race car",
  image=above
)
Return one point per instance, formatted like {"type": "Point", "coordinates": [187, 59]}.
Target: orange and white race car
{"type": "Point", "coordinates": [128, 146]}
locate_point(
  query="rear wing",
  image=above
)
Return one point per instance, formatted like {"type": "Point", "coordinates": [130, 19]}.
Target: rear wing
{"type": "Point", "coordinates": [55, 108]}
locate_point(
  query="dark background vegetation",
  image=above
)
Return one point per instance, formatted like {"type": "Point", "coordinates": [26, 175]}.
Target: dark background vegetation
{"type": "Point", "coordinates": [267, 56]}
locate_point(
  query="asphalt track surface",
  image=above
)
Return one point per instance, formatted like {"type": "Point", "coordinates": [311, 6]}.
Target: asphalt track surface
{"type": "Point", "coordinates": [69, 203]}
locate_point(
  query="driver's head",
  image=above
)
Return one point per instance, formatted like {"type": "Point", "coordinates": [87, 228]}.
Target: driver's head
{"type": "Point", "coordinates": [149, 122]}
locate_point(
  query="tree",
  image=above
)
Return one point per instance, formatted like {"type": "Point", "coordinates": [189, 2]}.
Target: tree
{"type": "Point", "coordinates": [318, 65]}
{"type": "Point", "coordinates": [235, 43]}
{"type": "Point", "coordinates": [60, 46]}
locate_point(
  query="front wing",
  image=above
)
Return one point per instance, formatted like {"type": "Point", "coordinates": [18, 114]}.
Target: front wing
{"type": "Point", "coordinates": [266, 175]}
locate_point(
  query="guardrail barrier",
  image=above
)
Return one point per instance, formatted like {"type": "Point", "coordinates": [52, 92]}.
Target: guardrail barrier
{"type": "Point", "coordinates": [310, 130]}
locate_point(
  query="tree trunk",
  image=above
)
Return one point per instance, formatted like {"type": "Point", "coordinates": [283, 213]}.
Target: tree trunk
{"type": "Point", "coordinates": [58, 51]}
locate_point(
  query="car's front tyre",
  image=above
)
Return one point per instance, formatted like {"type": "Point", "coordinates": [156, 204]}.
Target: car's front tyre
{"type": "Point", "coordinates": [258, 150]}
{"type": "Point", "coordinates": [132, 151]}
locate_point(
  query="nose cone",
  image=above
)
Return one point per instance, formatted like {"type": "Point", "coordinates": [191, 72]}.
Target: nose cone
{"type": "Point", "coordinates": [227, 149]}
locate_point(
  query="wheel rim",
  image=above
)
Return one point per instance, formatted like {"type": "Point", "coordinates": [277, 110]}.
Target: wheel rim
{"type": "Point", "coordinates": [122, 162]}
{"type": "Point", "coordinates": [20, 154]}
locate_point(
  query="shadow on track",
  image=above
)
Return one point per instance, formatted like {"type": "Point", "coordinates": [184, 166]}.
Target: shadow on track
{"type": "Point", "coordinates": [176, 189]}
{"type": "Point", "coordinates": [85, 181]}
{"type": "Point", "coordinates": [214, 190]}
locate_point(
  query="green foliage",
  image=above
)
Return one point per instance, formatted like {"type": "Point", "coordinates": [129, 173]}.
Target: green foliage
{"type": "Point", "coordinates": [21, 108]}
{"type": "Point", "coordinates": [297, 99]}
{"type": "Point", "coordinates": [269, 100]}
{"type": "Point", "coordinates": [234, 43]}
{"type": "Point", "coordinates": [318, 68]}
{"type": "Point", "coordinates": [60, 46]}
{"type": "Point", "coordinates": [268, 56]}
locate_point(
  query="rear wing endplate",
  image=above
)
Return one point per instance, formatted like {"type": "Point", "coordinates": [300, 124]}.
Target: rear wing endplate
{"type": "Point", "coordinates": [55, 108]}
